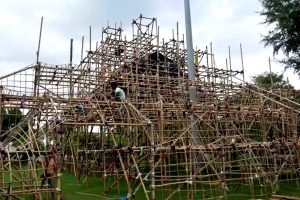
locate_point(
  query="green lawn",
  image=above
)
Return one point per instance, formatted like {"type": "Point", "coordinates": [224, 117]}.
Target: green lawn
{"type": "Point", "coordinates": [89, 189]}
{"type": "Point", "coordinates": [93, 189]}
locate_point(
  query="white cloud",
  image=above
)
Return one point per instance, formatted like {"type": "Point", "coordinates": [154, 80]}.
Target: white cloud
{"type": "Point", "coordinates": [223, 22]}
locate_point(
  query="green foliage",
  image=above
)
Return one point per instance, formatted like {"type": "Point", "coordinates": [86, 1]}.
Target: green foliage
{"type": "Point", "coordinates": [11, 117]}
{"type": "Point", "coordinates": [271, 79]}
{"type": "Point", "coordinates": [284, 15]}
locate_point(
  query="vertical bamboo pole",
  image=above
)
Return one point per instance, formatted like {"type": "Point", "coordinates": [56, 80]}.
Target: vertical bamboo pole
{"type": "Point", "coordinates": [58, 164]}
{"type": "Point", "coordinates": [152, 164]}
{"type": "Point", "coordinates": [10, 184]}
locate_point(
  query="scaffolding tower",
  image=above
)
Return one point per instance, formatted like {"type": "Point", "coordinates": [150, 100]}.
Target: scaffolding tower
{"type": "Point", "coordinates": [237, 137]}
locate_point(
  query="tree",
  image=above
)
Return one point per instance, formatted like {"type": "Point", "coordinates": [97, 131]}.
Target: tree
{"type": "Point", "coordinates": [264, 80]}
{"type": "Point", "coordinates": [284, 15]}
{"type": "Point", "coordinates": [11, 117]}
{"type": "Point", "coordinates": [267, 79]}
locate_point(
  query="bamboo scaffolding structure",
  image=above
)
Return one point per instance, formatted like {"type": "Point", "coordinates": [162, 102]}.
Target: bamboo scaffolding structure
{"type": "Point", "coordinates": [234, 135]}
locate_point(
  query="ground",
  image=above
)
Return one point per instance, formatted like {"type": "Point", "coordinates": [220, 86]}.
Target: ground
{"type": "Point", "coordinates": [92, 189]}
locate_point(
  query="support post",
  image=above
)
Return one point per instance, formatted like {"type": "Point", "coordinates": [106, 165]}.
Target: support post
{"type": "Point", "coordinates": [190, 51]}
{"type": "Point", "coordinates": [82, 45]}
{"type": "Point", "coordinates": [39, 44]}
{"type": "Point", "coordinates": [90, 38]}
{"type": "Point", "coordinates": [38, 66]}
{"type": "Point", "coordinates": [177, 48]}
{"type": "Point", "coordinates": [152, 164]}
{"type": "Point", "coordinates": [191, 71]}
{"type": "Point", "coordinates": [242, 60]}
{"type": "Point", "coordinates": [71, 51]}
{"type": "Point", "coordinates": [270, 68]}
{"type": "Point", "coordinates": [37, 71]}
{"type": "Point", "coordinates": [207, 67]}
{"type": "Point", "coordinates": [71, 70]}
{"type": "Point", "coordinates": [212, 63]}
{"type": "Point", "coordinates": [59, 165]}
{"type": "Point", "coordinates": [226, 62]}
{"type": "Point", "coordinates": [229, 54]}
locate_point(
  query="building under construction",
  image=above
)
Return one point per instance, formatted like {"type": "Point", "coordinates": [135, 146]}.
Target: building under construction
{"type": "Point", "coordinates": [235, 140]}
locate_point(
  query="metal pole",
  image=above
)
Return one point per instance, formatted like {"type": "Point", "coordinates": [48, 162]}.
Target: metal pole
{"type": "Point", "coordinates": [229, 52]}
{"type": "Point", "coordinates": [207, 69]}
{"type": "Point", "coordinates": [71, 70]}
{"type": "Point", "coordinates": [90, 38]}
{"type": "Point", "coordinates": [190, 51]}
{"type": "Point", "coordinates": [71, 51]}
{"type": "Point", "coordinates": [227, 72]}
{"type": "Point", "coordinates": [270, 68]}
{"type": "Point", "coordinates": [177, 48]}
{"type": "Point", "coordinates": [37, 66]}
{"type": "Point", "coordinates": [212, 63]}
{"type": "Point", "coordinates": [191, 76]}
{"type": "Point", "coordinates": [82, 44]}
{"type": "Point", "coordinates": [39, 44]}
{"type": "Point", "coordinates": [242, 59]}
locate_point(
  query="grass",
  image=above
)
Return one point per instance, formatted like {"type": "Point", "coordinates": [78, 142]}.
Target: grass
{"type": "Point", "coordinates": [89, 189]}
{"type": "Point", "coordinates": [289, 188]}
{"type": "Point", "coordinates": [93, 188]}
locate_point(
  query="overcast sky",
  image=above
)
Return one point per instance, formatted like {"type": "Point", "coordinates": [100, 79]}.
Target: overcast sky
{"type": "Point", "coordinates": [222, 22]}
